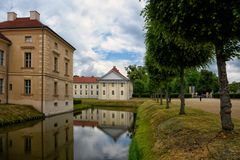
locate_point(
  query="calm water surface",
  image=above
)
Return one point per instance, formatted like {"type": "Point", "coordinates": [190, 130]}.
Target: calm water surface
{"type": "Point", "coordinates": [92, 134]}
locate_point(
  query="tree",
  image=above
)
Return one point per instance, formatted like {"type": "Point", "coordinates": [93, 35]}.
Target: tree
{"type": "Point", "coordinates": [138, 76]}
{"type": "Point", "coordinates": [209, 21]}
{"type": "Point", "coordinates": [169, 55]}
{"type": "Point", "coordinates": [207, 82]}
{"type": "Point", "coordinates": [159, 76]}
{"type": "Point", "coordinates": [234, 87]}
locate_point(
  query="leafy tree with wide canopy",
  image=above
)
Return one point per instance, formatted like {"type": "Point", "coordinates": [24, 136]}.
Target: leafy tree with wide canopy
{"type": "Point", "coordinates": [159, 75]}
{"type": "Point", "coordinates": [168, 54]}
{"type": "Point", "coordinates": [207, 21]}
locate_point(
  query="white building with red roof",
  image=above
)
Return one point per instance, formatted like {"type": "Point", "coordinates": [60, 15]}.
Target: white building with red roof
{"type": "Point", "coordinates": [111, 86]}
{"type": "Point", "coordinates": [85, 87]}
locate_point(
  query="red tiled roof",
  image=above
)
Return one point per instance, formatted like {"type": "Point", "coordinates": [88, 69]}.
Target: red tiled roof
{"type": "Point", "coordinates": [26, 22]}
{"type": "Point", "coordinates": [83, 79]}
{"type": "Point", "coordinates": [114, 69]}
{"type": "Point", "coordinates": [20, 23]}
{"type": "Point", "coordinates": [4, 38]}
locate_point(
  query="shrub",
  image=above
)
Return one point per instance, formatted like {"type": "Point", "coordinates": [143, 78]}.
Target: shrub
{"type": "Point", "coordinates": [77, 101]}
{"type": "Point", "coordinates": [232, 95]}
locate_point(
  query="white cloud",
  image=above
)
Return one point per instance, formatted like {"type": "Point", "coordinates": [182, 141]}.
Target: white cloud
{"type": "Point", "coordinates": [85, 24]}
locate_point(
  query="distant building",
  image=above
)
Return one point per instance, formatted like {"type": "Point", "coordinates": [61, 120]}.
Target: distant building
{"type": "Point", "coordinates": [112, 86]}
{"type": "Point", "coordinates": [85, 87]}
{"type": "Point", "coordinates": [36, 65]}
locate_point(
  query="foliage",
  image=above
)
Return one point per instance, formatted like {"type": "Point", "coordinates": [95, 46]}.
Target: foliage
{"type": "Point", "coordinates": [207, 82]}
{"type": "Point", "coordinates": [232, 95]}
{"type": "Point", "coordinates": [138, 76]}
{"type": "Point", "coordinates": [234, 87]}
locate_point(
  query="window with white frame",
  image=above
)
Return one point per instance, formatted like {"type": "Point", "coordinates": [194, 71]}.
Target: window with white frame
{"type": "Point", "coordinates": [28, 60]}
{"type": "Point", "coordinates": [27, 87]}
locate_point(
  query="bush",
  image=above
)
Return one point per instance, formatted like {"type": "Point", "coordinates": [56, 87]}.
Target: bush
{"type": "Point", "coordinates": [143, 95]}
{"type": "Point", "coordinates": [176, 95]}
{"type": "Point", "coordinates": [77, 101]}
{"type": "Point", "coordinates": [232, 95]}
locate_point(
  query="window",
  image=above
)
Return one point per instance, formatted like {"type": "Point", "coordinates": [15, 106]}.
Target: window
{"type": "Point", "coordinates": [1, 86]}
{"type": "Point", "coordinates": [75, 86]}
{"type": "Point", "coordinates": [97, 86]}
{"type": "Point", "coordinates": [80, 86]}
{"type": "Point", "coordinates": [28, 144]}
{"type": "Point", "coordinates": [66, 89]}
{"type": "Point", "coordinates": [66, 68]}
{"type": "Point", "coordinates": [55, 88]}
{"type": "Point", "coordinates": [121, 84]}
{"type": "Point", "coordinates": [104, 115]}
{"type": "Point", "coordinates": [103, 84]}
{"type": "Point", "coordinates": [91, 86]}
{"type": "Point", "coordinates": [112, 92]}
{"type": "Point", "coordinates": [55, 104]}
{"type": "Point", "coordinates": [10, 87]}
{"type": "Point", "coordinates": [91, 92]}
{"type": "Point", "coordinates": [28, 60]}
{"type": "Point", "coordinates": [1, 57]}
{"type": "Point", "coordinates": [113, 115]}
{"type": "Point", "coordinates": [122, 115]}
{"type": "Point", "coordinates": [121, 92]}
{"type": "Point", "coordinates": [85, 86]}
{"type": "Point", "coordinates": [112, 84]}
{"type": "Point", "coordinates": [27, 87]}
{"type": "Point", "coordinates": [55, 64]}
{"type": "Point", "coordinates": [96, 92]}
{"type": "Point", "coordinates": [103, 92]}
{"type": "Point", "coordinates": [55, 45]}
{"type": "Point", "coordinates": [28, 39]}
{"type": "Point", "coordinates": [66, 103]}
{"type": "Point", "coordinates": [80, 92]}
{"type": "Point", "coordinates": [85, 92]}
{"type": "Point", "coordinates": [75, 92]}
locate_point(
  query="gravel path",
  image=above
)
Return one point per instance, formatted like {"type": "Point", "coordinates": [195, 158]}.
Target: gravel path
{"type": "Point", "coordinates": [211, 105]}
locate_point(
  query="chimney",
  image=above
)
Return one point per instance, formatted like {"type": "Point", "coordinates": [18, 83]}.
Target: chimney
{"type": "Point", "coordinates": [34, 15]}
{"type": "Point", "coordinates": [11, 16]}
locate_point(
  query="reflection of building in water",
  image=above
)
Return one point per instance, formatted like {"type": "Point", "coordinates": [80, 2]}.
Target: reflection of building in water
{"type": "Point", "coordinates": [113, 123]}
{"type": "Point", "coordinates": [49, 139]}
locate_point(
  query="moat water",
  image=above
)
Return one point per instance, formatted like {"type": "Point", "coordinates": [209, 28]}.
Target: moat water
{"type": "Point", "coordinates": [92, 134]}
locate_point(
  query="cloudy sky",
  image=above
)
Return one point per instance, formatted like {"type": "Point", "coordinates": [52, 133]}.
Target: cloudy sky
{"type": "Point", "coordinates": [105, 33]}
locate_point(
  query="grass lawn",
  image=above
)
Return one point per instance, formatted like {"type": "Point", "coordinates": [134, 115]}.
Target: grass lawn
{"type": "Point", "coordinates": [164, 134]}
{"type": "Point", "coordinates": [10, 114]}
{"type": "Point", "coordinates": [123, 105]}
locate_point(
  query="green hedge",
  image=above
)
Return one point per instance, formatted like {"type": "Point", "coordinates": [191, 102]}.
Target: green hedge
{"type": "Point", "coordinates": [176, 95]}
{"type": "Point", "coordinates": [143, 95]}
{"type": "Point", "coordinates": [77, 101]}
{"type": "Point", "coordinates": [232, 95]}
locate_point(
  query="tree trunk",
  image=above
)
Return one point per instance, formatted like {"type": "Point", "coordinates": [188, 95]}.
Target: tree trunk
{"type": "Point", "coordinates": [167, 100]}
{"type": "Point", "coordinates": [161, 101]}
{"type": "Point", "coordinates": [157, 97]}
{"type": "Point", "coordinates": [182, 106]}
{"type": "Point", "coordinates": [225, 101]}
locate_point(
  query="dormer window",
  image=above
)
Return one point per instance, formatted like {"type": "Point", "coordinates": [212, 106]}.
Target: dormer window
{"type": "Point", "coordinates": [28, 39]}
{"type": "Point", "coordinates": [55, 45]}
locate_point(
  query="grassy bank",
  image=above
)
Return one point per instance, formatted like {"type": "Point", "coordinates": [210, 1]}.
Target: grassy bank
{"type": "Point", "coordinates": [10, 114]}
{"type": "Point", "coordinates": [164, 134]}
{"type": "Point", "coordinates": [128, 105]}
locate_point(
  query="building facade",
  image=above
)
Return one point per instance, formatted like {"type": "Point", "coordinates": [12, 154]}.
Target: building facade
{"type": "Point", "coordinates": [85, 87]}
{"type": "Point", "coordinates": [111, 86]}
{"type": "Point", "coordinates": [37, 65]}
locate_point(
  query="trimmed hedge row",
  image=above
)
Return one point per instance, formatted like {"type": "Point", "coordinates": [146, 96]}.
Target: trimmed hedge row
{"type": "Point", "coordinates": [173, 95]}
{"type": "Point", "coordinates": [176, 95]}
{"type": "Point", "coordinates": [232, 95]}
{"type": "Point", "coordinates": [77, 101]}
